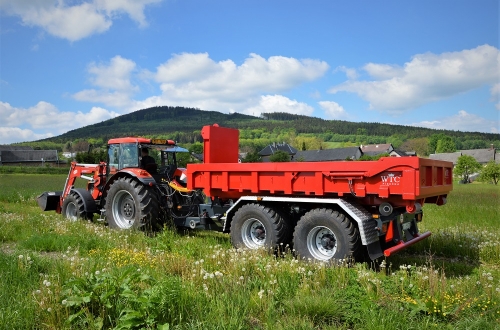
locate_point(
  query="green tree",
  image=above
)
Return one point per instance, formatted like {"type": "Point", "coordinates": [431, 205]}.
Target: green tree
{"type": "Point", "coordinates": [252, 157]}
{"type": "Point", "coordinates": [466, 166]}
{"type": "Point", "coordinates": [446, 144]}
{"type": "Point", "coordinates": [433, 141]}
{"type": "Point", "coordinates": [280, 156]}
{"type": "Point", "coordinates": [490, 172]}
{"type": "Point", "coordinates": [419, 145]}
{"type": "Point", "coordinates": [196, 147]}
{"type": "Point", "coordinates": [396, 140]}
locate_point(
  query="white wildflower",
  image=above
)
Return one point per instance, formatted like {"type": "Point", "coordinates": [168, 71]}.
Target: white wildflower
{"type": "Point", "coordinates": [261, 293]}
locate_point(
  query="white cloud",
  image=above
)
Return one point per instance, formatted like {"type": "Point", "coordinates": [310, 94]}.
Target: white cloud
{"type": "Point", "coordinates": [114, 81]}
{"type": "Point", "coordinates": [495, 95]}
{"type": "Point", "coordinates": [426, 78]}
{"type": "Point", "coordinates": [75, 20]}
{"type": "Point", "coordinates": [15, 134]}
{"type": "Point", "coordinates": [279, 103]}
{"type": "Point", "coordinates": [198, 81]}
{"type": "Point", "coordinates": [112, 99]}
{"type": "Point", "coordinates": [463, 121]}
{"type": "Point", "coordinates": [333, 110]}
{"type": "Point", "coordinates": [115, 76]}
{"type": "Point", "coordinates": [134, 8]}
{"type": "Point", "coordinates": [45, 120]}
{"type": "Point", "coordinates": [351, 74]}
{"type": "Point", "coordinates": [191, 80]}
{"type": "Point", "coordinates": [383, 71]}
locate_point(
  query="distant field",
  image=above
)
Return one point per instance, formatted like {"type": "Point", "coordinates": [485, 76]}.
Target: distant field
{"type": "Point", "coordinates": [57, 274]}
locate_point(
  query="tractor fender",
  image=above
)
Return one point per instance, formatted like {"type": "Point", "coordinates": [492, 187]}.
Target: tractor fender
{"type": "Point", "coordinates": [88, 202]}
{"type": "Point", "coordinates": [138, 174]}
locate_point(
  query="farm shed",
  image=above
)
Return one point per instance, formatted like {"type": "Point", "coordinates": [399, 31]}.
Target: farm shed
{"type": "Point", "coordinates": [27, 157]}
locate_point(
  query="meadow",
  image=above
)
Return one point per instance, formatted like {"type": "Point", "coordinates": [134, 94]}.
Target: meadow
{"type": "Point", "coordinates": [56, 274]}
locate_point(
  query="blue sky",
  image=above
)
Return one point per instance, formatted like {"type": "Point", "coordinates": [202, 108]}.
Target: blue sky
{"type": "Point", "coordinates": [65, 64]}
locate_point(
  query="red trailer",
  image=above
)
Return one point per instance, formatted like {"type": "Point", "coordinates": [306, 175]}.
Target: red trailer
{"type": "Point", "coordinates": [326, 210]}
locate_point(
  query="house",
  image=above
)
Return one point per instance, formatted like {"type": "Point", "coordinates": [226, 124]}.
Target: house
{"type": "Point", "coordinates": [400, 153]}
{"type": "Point", "coordinates": [351, 153]}
{"type": "Point", "coordinates": [482, 156]}
{"type": "Point", "coordinates": [448, 157]}
{"type": "Point", "coordinates": [376, 149]}
{"type": "Point", "coordinates": [15, 155]}
{"type": "Point", "coordinates": [273, 148]}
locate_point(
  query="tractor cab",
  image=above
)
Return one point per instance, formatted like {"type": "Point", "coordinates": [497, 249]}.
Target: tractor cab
{"type": "Point", "coordinates": [169, 165]}
{"type": "Point", "coordinates": [128, 154]}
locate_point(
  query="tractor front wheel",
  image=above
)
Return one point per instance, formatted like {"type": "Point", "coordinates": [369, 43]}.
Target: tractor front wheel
{"type": "Point", "coordinates": [73, 208]}
{"type": "Point", "coordinates": [131, 204]}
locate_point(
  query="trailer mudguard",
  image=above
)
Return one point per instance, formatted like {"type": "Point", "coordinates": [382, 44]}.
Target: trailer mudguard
{"type": "Point", "coordinates": [89, 203]}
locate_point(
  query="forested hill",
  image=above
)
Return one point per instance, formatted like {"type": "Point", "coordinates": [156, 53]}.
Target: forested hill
{"type": "Point", "coordinates": [184, 123]}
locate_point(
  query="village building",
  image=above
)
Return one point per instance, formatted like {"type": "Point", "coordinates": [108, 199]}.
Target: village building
{"type": "Point", "coordinates": [26, 156]}
{"type": "Point", "coordinates": [376, 149]}
{"type": "Point", "coordinates": [271, 149]}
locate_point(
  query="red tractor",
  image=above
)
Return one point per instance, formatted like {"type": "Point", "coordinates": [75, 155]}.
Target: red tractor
{"type": "Point", "coordinates": [125, 189]}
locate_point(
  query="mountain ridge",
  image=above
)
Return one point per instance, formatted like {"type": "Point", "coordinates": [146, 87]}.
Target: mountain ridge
{"type": "Point", "coordinates": [168, 120]}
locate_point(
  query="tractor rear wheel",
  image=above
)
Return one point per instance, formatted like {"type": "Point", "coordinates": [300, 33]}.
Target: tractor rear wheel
{"type": "Point", "coordinates": [254, 226]}
{"type": "Point", "coordinates": [326, 235]}
{"type": "Point", "coordinates": [74, 209]}
{"type": "Point", "coordinates": [131, 204]}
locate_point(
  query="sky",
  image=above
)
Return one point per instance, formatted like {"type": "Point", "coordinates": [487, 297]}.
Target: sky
{"type": "Point", "coordinates": [65, 64]}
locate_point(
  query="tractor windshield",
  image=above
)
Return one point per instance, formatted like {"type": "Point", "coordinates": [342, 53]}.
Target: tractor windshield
{"type": "Point", "coordinates": [123, 155]}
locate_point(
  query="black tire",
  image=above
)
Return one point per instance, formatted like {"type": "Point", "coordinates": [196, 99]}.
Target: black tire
{"type": "Point", "coordinates": [73, 208]}
{"type": "Point", "coordinates": [326, 235]}
{"type": "Point", "coordinates": [131, 204]}
{"type": "Point", "coordinates": [254, 226]}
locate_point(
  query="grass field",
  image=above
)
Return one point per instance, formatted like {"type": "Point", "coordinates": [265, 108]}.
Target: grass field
{"type": "Point", "coordinates": [57, 274]}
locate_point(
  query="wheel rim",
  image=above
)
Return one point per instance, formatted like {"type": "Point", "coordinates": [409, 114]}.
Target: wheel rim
{"type": "Point", "coordinates": [322, 243]}
{"type": "Point", "coordinates": [123, 209]}
{"type": "Point", "coordinates": [71, 212]}
{"type": "Point", "coordinates": [253, 233]}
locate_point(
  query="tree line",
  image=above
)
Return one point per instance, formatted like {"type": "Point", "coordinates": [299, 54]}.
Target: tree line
{"type": "Point", "coordinates": [302, 132]}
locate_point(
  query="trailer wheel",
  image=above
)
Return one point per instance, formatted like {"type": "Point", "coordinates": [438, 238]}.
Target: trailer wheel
{"type": "Point", "coordinates": [73, 208]}
{"type": "Point", "coordinates": [326, 235]}
{"type": "Point", "coordinates": [130, 204]}
{"type": "Point", "coordinates": [254, 226]}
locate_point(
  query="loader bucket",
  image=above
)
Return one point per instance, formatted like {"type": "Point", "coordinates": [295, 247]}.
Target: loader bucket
{"type": "Point", "coordinates": [49, 200]}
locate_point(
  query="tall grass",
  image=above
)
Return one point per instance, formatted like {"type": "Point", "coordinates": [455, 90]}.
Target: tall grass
{"type": "Point", "coordinates": [79, 275]}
